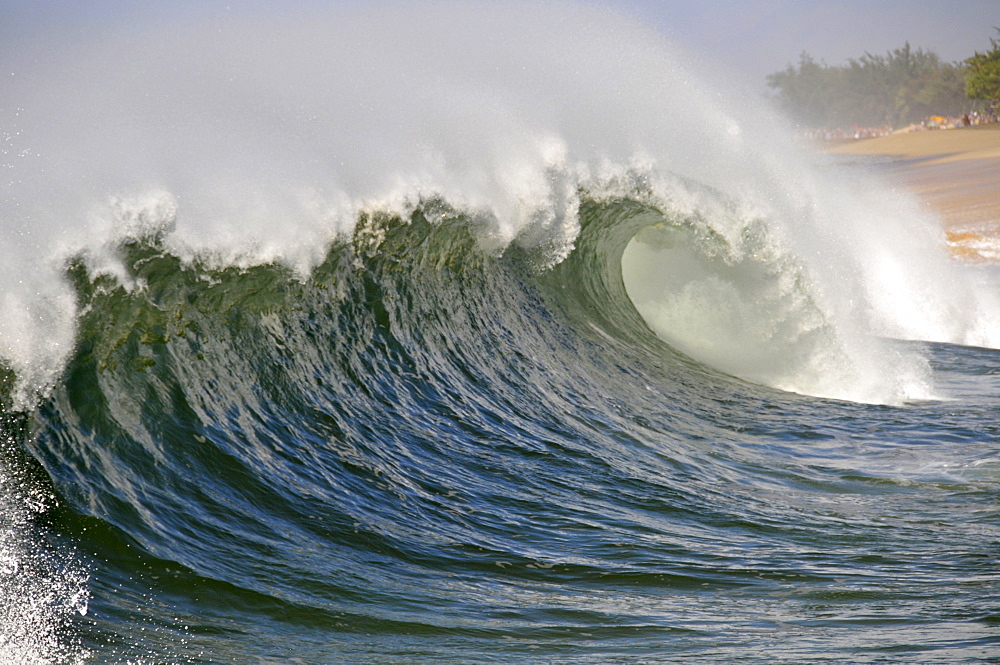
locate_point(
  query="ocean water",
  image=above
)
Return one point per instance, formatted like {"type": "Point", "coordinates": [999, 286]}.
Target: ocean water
{"type": "Point", "coordinates": [472, 334]}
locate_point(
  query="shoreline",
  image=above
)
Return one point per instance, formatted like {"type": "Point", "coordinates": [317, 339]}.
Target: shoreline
{"type": "Point", "coordinates": [955, 173]}
{"type": "Point", "coordinates": [929, 147]}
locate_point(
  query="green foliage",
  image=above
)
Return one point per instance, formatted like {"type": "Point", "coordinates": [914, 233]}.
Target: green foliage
{"type": "Point", "coordinates": [902, 86]}
{"type": "Point", "coordinates": [804, 90]}
{"type": "Point", "coordinates": [982, 73]}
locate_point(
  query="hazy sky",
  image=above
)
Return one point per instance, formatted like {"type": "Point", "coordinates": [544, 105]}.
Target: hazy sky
{"type": "Point", "coordinates": [753, 39]}
{"type": "Point", "coordinates": [745, 39]}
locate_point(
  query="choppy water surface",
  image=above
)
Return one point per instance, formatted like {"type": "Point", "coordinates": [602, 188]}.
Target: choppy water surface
{"type": "Point", "coordinates": [541, 384]}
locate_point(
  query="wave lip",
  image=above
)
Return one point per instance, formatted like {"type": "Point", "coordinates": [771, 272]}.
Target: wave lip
{"type": "Point", "coordinates": [422, 424]}
{"type": "Point", "coordinates": [248, 155]}
{"type": "Point", "coordinates": [391, 326]}
{"type": "Point", "coordinates": [753, 312]}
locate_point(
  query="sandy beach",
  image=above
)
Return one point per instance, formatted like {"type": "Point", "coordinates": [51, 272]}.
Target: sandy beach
{"type": "Point", "coordinates": [955, 172]}
{"type": "Point", "coordinates": [931, 147]}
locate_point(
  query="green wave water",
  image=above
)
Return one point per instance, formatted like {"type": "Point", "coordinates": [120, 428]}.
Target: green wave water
{"type": "Point", "coordinates": [428, 453]}
{"type": "Point", "coordinates": [434, 333]}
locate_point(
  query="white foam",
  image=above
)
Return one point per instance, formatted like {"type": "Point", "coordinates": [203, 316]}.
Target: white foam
{"type": "Point", "coordinates": [259, 138]}
{"type": "Point", "coordinates": [40, 588]}
{"type": "Point", "coordinates": [810, 277]}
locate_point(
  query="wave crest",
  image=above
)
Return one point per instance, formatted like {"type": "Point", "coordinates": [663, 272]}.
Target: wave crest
{"type": "Point", "coordinates": [267, 141]}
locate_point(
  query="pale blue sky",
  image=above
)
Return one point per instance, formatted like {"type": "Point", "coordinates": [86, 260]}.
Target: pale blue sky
{"type": "Point", "coordinates": [756, 38]}
{"type": "Point", "coordinates": [747, 40]}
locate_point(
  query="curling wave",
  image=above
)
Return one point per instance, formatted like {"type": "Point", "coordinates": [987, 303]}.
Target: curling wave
{"type": "Point", "coordinates": [469, 321]}
{"type": "Point", "coordinates": [247, 157]}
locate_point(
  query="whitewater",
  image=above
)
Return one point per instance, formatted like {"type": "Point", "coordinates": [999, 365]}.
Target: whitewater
{"type": "Point", "coordinates": [471, 333]}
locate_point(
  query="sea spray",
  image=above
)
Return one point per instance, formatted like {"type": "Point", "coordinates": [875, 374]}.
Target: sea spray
{"type": "Point", "coordinates": [43, 586]}
{"type": "Point", "coordinates": [272, 134]}
{"type": "Point", "coordinates": [324, 325]}
{"type": "Point", "coordinates": [803, 284]}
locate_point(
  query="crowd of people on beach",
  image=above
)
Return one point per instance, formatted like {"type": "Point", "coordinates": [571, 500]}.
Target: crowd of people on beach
{"type": "Point", "coordinates": [856, 132]}
{"type": "Point", "coordinates": [839, 134]}
{"type": "Point", "coordinates": [975, 118]}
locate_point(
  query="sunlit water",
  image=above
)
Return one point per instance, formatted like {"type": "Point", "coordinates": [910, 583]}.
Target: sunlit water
{"type": "Point", "coordinates": [473, 334]}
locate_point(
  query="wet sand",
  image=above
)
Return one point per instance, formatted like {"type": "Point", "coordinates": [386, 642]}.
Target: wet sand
{"type": "Point", "coordinates": [956, 173]}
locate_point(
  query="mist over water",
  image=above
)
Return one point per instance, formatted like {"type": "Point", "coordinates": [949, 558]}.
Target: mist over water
{"type": "Point", "coordinates": [260, 139]}
{"type": "Point", "coordinates": [422, 320]}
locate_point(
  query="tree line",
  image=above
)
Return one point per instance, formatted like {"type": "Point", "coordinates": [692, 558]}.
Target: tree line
{"type": "Point", "coordinates": [903, 86]}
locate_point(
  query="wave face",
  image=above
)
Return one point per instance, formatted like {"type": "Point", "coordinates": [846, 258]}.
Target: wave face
{"type": "Point", "coordinates": [471, 334]}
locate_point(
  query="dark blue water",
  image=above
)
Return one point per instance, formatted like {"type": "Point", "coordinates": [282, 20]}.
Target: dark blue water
{"type": "Point", "coordinates": [478, 333]}
{"type": "Point", "coordinates": [435, 454]}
